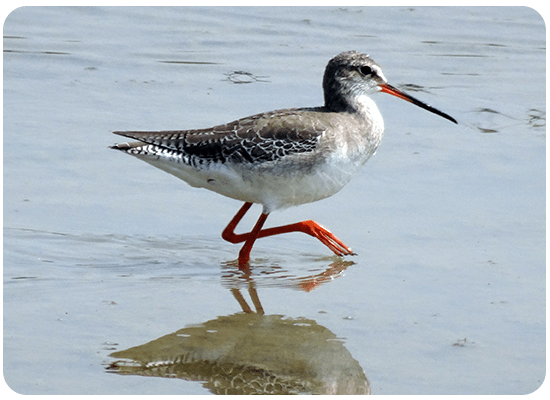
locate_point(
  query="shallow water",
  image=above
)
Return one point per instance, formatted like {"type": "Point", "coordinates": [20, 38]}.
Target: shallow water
{"type": "Point", "coordinates": [103, 253]}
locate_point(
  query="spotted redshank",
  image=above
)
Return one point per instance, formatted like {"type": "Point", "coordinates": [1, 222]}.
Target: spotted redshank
{"type": "Point", "coordinates": [282, 158]}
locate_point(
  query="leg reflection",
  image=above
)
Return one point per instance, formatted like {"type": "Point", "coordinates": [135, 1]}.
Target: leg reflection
{"type": "Point", "coordinates": [253, 296]}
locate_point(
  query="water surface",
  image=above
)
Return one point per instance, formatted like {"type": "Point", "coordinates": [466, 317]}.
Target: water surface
{"type": "Point", "coordinates": [103, 253]}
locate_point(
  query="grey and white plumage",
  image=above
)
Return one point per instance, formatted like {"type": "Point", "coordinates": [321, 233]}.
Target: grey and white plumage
{"type": "Point", "coordinates": [279, 158]}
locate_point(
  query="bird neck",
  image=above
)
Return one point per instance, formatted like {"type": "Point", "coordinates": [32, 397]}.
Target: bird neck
{"type": "Point", "coordinates": [347, 98]}
{"type": "Point", "coordinates": [353, 102]}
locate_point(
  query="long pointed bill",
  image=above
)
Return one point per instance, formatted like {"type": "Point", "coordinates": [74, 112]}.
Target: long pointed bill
{"type": "Point", "coordinates": [386, 88]}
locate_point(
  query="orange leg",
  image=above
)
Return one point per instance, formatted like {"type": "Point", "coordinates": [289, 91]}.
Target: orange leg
{"type": "Point", "coordinates": [310, 227]}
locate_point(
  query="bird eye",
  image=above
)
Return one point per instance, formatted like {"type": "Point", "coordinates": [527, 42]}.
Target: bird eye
{"type": "Point", "coordinates": [365, 70]}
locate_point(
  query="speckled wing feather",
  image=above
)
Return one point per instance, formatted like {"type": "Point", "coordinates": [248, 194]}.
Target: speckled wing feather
{"type": "Point", "coordinates": [255, 139]}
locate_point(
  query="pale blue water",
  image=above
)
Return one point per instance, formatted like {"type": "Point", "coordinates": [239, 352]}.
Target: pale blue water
{"type": "Point", "coordinates": [103, 252]}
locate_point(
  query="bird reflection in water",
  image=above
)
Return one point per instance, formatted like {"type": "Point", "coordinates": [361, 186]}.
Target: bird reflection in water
{"type": "Point", "coordinates": [250, 352]}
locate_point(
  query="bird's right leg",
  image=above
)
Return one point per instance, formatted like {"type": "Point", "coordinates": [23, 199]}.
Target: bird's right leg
{"type": "Point", "coordinates": [229, 231]}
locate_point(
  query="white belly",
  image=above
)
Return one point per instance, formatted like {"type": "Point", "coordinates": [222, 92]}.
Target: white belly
{"type": "Point", "coordinates": [275, 185]}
